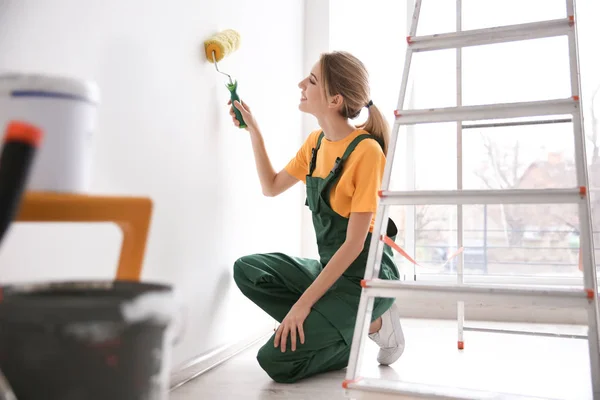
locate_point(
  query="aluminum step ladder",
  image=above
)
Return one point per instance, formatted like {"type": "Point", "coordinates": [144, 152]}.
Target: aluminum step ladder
{"type": "Point", "coordinates": [586, 297]}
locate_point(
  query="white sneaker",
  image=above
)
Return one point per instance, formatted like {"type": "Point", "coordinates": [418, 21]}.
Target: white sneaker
{"type": "Point", "coordinates": [390, 337]}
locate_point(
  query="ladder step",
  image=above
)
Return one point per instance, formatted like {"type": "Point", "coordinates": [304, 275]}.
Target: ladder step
{"type": "Point", "coordinates": [366, 388]}
{"type": "Point", "coordinates": [518, 123]}
{"type": "Point", "coordinates": [526, 333]}
{"type": "Point", "coordinates": [450, 294]}
{"type": "Point", "coordinates": [507, 196]}
{"type": "Point", "coordinates": [485, 36]}
{"type": "Point", "coordinates": [488, 112]}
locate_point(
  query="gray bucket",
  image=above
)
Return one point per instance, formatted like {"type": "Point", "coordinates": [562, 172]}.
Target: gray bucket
{"type": "Point", "coordinates": [95, 340]}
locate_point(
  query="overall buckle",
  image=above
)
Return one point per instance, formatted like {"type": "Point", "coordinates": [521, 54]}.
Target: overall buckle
{"type": "Point", "coordinates": [336, 165]}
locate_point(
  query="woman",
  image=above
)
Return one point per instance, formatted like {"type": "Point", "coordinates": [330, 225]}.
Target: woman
{"type": "Point", "coordinates": [316, 301]}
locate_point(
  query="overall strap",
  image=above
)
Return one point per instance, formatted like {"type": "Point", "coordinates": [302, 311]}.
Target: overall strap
{"type": "Point", "coordinates": [313, 159]}
{"type": "Point", "coordinates": [339, 163]}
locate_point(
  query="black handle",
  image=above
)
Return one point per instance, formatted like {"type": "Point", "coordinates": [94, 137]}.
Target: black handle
{"type": "Point", "coordinates": [20, 144]}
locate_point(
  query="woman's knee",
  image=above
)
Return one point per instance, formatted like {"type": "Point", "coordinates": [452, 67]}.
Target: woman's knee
{"type": "Point", "coordinates": [242, 269]}
{"type": "Point", "coordinates": [238, 267]}
{"type": "Point", "coordinates": [270, 360]}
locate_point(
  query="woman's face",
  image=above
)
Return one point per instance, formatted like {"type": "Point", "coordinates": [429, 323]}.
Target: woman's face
{"type": "Point", "coordinates": [312, 98]}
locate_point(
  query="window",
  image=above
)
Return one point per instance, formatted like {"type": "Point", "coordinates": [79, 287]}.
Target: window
{"type": "Point", "coordinates": [510, 242]}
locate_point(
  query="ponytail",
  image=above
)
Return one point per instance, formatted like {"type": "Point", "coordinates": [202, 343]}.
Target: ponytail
{"type": "Point", "coordinates": [346, 75]}
{"type": "Point", "coordinates": [377, 126]}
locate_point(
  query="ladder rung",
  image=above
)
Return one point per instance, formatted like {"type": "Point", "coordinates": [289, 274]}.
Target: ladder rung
{"type": "Point", "coordinates": [526, 333]}
{"type": "Point", "coordinates": [518, 123]}
{"type": "Point", "coordinates": [487, 112]}
{"type": "Point", "coordinates": [508, 196]}
{"type": "Point", "coordinates": [412, 291]}
{"type": "Point", "coordinates": [365, 388]}
{"type": "Point", "coordinates": [485, 36]}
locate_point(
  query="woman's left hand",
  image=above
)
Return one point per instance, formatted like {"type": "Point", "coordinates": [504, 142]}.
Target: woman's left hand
{"type": "Point", "coordinates": [291, 325]}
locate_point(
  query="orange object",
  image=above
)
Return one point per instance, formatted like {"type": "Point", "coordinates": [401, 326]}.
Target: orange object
{"type": "Point", "coordinates": [349, 381]}
{"type": "Point", "coordinates": [23, 132]}
{"type": "Point", "coordinates": [461, 345]}
{"type": "Point", "coordinates": [387, 240]}
{"type": "Point", "coordinates": [131, 214]}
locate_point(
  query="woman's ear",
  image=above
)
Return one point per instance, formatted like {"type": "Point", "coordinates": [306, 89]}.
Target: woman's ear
{"type": "Point", "coordinates": [336, 101]}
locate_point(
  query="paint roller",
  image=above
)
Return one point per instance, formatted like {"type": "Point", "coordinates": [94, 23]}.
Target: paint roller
{"type": "Point", "coordinates": [218, 47]}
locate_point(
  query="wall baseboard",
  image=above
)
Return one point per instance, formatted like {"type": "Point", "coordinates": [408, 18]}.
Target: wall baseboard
{"type": "Point", "coordinates": [211, 359]}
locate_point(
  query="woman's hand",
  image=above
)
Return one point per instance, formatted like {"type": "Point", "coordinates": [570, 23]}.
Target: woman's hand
{"type": "Point", "coordinates": [292, 325]}
{"type": "Point", "coordinates": [246, 114]}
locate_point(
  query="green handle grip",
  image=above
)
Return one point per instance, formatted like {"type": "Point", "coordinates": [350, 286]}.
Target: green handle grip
{"type": "Point", "coordinates": [234, 96]}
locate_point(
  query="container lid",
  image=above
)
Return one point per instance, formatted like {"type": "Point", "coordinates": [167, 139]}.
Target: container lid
{"type": "Point", "coordinates": [44, 85]}
{"type": "Point", "coordinates": [87, 301]}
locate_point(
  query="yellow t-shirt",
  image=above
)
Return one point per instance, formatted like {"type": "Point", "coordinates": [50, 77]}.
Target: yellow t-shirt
{"type": "Point", "coordinates": [357, 188]}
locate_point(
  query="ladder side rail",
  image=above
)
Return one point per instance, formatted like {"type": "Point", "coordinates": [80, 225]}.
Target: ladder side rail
{"type": "Point", "coordinates": [460, 306]}
{"type": "Point", "coordinates": [365, 307]}
{"type": "Point", "coordinates": [590, 280]}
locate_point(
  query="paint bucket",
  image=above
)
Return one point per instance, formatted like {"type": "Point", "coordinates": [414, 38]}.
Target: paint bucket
{"type": "Point", "coordinates": [65, 110]}
{"type": "Point", "coordinates": [87, 340]}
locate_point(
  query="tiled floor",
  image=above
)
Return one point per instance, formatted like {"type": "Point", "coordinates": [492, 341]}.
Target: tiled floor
{"type": "Point", "coordinates": [546, 367]}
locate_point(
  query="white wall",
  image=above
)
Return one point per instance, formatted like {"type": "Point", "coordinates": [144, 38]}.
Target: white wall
{"type": "Point", "coordinates": [316, 41]}
{"type": "Point", "coordinates": [164, 132]}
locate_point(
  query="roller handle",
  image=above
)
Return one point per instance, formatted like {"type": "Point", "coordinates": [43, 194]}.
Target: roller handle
{"type": "Point", "coordinates": [20, 144]}
{"type": "Point", "coordinates": [234, 97]}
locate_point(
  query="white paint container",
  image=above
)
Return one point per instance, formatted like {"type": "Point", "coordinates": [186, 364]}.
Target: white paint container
{"type": "Point", "coordinates": [65, 109]}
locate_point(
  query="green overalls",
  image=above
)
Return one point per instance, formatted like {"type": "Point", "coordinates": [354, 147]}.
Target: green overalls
{"type": "Point", "coordinates": [275, 281]}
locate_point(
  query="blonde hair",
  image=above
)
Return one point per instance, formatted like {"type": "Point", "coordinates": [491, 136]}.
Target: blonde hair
{"type": "Point", "coordinates": [346, 75]}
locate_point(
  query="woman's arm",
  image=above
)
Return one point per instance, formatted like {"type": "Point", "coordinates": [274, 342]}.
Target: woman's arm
{"type": "Point", "coordinates": [272, 183]}
{"type": "Point", "coordinates": [358, 228]}
{"type": "Point", "coordinates": [293, 323]}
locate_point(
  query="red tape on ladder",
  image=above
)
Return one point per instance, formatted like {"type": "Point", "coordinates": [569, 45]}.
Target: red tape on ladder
{"type": "Point", "coordinates": [387, 240]}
